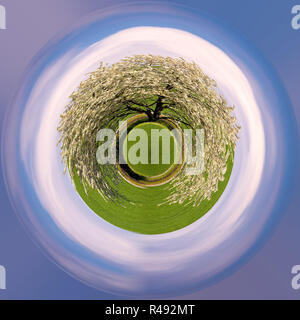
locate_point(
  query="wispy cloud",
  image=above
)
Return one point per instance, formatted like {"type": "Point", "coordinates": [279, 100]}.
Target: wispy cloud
{"type": "Point", "coordinates": [214, 240]}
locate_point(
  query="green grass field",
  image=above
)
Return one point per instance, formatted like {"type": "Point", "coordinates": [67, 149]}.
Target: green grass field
{"type": "Point", "coordinates": [146, 216]}
{"type": "Point", "coordinates": [150, 169]}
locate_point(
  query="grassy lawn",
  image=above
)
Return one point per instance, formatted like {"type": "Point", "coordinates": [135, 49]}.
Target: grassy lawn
{"type": "Point", "coordinates": [150, 169]}
{"type": "Point", "coordinates": [146, 216]}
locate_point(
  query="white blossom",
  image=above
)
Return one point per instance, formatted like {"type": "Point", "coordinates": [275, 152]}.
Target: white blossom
{"type": "Point", "coordinates": [115, 92]}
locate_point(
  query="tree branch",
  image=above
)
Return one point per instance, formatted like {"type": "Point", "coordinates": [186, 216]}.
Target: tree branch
{"type": "Point", "coordinates": [138, 104]}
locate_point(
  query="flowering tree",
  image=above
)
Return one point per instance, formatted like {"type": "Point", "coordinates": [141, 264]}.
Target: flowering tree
{"type": "Point", "coordinates": [160, 87]}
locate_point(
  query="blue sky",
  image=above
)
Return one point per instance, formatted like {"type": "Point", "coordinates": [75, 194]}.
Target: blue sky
{"type": "Point", "coordinates": [266, 27]}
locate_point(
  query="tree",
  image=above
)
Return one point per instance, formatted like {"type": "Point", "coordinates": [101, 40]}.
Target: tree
{"type": "Point", "coordinates": [160, 87]}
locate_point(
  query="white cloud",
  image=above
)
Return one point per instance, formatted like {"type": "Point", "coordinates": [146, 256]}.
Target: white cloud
{"type": "Point", "coordinates": [143, 253]}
